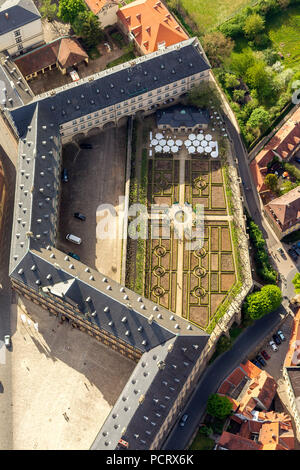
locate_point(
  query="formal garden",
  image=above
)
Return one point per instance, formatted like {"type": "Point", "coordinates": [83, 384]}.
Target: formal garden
{"type": "Point", "coordinates": [192, 283]}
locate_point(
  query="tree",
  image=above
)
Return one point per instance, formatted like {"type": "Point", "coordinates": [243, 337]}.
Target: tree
{"type": "Point", "coordinates": [271, 181]}
{"type": "Point", "coordinates": [260, 79]}
{"type": "Point", "coordinates": [259, 118]}
{"type": "Point", "coordinates": [204, 95]}
{"type": "Point", "coordinates": [263, 302]}
{"type": "Point", "coordinates": [219, 406]}
{"type": "Point", "coordinates": [87, 26]}
{"type": "Point", "coordinates": [254, 25]}
{"type": "Point", "coordinates": [48, 10]}
{"type": "Point", "coordinates": [238, 95]}
{"type": "Point", "coordinates": [218, 47]}
{"type": "Point", "coordinates": [70, 9]}
{"type": "Point", "coordinates": [296, 282]}
{"type": "Point", "coordinates": [240, 63]}
{"type": "Point", "coordinates": [231, 81]}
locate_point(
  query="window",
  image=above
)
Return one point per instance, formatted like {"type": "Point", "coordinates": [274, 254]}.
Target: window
{"type": "Point", "coordinates": [83, 126]}
{"type": "Point", "coordinates": [103, 112]}
{"type": "Point", "coordinates": [183, 81]}
{"type": "Point", "coordinates": [140, 97]}
{"type": "Point", "coordinates": [89, 117]}
{"type": "Point", "coordinates": [17, 33]}
{"type": "Point", "coordinates": [81, 119]}
{"type": "Point", "coordinates": [167, 87]}
{"type": "Point", "coordinates": [167, 94]}
{"type": "Point", "coordinates": [96, 114]}
{"type": "Point", "coordinates": [133, 100]}
{"type": "Point", "coordinates": [193, 78]}
{"type": "Point", "coordinates": [149, 101]}
{"type": "Point", "coordinates": [74, 122]}
{"type": "Point", "coordinates": [118, 106]}
{"type": "Point", "coordinates": [20, 47]}
{"type": "Point", "coordinates": [112, 116]}
{"type": "Point", "coordinates": [75, 129]}
{"type": "Point", "coordinates": [118, 113]}
{"type": "Point", "coordinates": [97, 121]}
{"type": "Point", "coordinates": [18, 40]}
{"type": "Point", "coordinates": [89, 124]}
{"type": "Point", "coordinates": [150, 93]}
{"type": "Point", "coordinates": [133, 108]}
{"type": "Point", "coordinates": [174, 85]}
{"type": "Point", "coordinates": [183, 88]}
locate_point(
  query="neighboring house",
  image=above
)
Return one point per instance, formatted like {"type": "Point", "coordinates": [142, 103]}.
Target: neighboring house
{"type": "Point", "coordinates": [284, 213]}
{"type": "Point", "coordinates": [20, 26]}
{"type": "Point", "coordinates": [252, 427]}
{"type": "Point", "coordinates": [182, 118]}
{"type": "Point", "coordinates": [283, 145]}
{"type": "Point", "coordinates": [291, 372]}
{"type": "Point", "coordinates": [63, 53]}
{"type": "Point", "coordinates": [106, 10]}
{"type": "Point", "coordinates": [150, 24]}
{"type": "Point", "coordinates": [168, 349]}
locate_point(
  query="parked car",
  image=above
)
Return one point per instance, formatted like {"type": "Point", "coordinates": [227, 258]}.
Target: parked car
{"type": "Point", "coordinates": [280, 250]}
{"type": "Point", "coordinates": [261, 360]}
{"type": "Point", "coordinates": [296, 249]}
{"type": "Point", "coordinates": [257, 364]}
{"type": "Point", "coordinates": [183, 420]}
{"type": "Point", "coordinates": [281, 335]}
{"type": "Point", "coordinates": [273, 346]}
{"type": "Point", "coordinates": [292, 254]}
{"type": "Point", "coordinates": [297, 159]}
{"type": "Point", "coordinates": [64, 175]}
{"type": "Point", "coordinates": [72, 238]}
{"type": "Point", "coordinates": [85, 146]}
{"type": "Point", "coordinates": [73, 255]}
{"type": "Point", "coordinates": [7, 341]}
{"type": "Point", "coordinates": [277, 339]}
{"type": "Point", "coordinates": [265, 355]}
{"type": "Point", "coordinates": [79, 216]}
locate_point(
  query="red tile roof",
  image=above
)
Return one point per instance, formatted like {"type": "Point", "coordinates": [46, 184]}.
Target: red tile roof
{"type": "Point", "coordinates": [66, 51]}
{"type": "Point", "coordinates": [284, 142]}
{"type": "Point", "coordinates": [152, 24]}
{"type": "Point", "coordinates": [96, 5]}
{"type": "Point", "coordinates": [235, 442]}
{"type": "Point", "coordinates": [285, 210]}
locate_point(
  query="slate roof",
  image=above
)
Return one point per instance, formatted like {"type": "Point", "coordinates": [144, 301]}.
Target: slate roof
{"type": "Point", "coordinates": [178, 115]}
{"type": "Point", "coordinates": [11, 92]}
{"type": "Point", "coordinates": [17, 13]}
{"type": "Point", "coordinates": [36, 262]}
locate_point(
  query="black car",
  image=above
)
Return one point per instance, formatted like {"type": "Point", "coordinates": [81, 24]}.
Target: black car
{"type": "Point", "coordinates": [79, 216]}
{"type": "Point", "coordinates": [276, 339]}
{"type": "Point", "coordinates": [85, 146]}
{"type": "Point", "coordinates": [73, 255]}
{"type": "Point", "coordinates": [261, 360]}
{"type": "Point", "coordinates": [258, 364]}
{"type": "Point", "coordinates": [292, 254]}
{"type": "Point", "coordinates": [64, 175]}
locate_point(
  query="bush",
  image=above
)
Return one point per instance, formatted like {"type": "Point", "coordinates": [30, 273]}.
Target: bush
{"type": "Point", "coordinates": [265, 301]}
{"type": "Point", "coordinates": [219, 406]}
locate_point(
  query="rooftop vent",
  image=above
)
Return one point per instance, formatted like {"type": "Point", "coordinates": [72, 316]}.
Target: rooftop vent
{"type": "Point", "coordinates": [106, 309]}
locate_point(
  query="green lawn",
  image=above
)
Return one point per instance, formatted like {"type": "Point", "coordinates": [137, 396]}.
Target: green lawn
{"type": "Point", "coordinates": [124, 58]}
{"type": "Point", "coordinates": [202, 443]}
{"type": "Point", "coordinates": [208, 14]}
{"type": "Point", "coordinates": [284, 32]}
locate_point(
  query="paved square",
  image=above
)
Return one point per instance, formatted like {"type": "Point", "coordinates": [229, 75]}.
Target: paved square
{"type": "Point", "coordinates": [64, 383]}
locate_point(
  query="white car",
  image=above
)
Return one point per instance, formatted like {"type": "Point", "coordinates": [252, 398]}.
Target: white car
{"type": "Point", "coordinates": [273, 346]}
{"type": "Point", "coordinates": [7, 340]}
{"type": "Point", "coordinates": [281, 335]}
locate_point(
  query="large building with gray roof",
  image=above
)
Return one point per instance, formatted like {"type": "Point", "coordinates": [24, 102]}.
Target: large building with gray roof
{"type": "Point", "coordinates": [168, 349]}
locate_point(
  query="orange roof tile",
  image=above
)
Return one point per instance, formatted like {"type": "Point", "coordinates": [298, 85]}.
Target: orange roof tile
{"type": "Point", "coordinates": [96, 5]}
{"type": "Point", "coordinates": [235, 442]}
{"type": "Point", "coordinates": [70, 52]}
{"type": "Point", "coordinates": [152, 24]}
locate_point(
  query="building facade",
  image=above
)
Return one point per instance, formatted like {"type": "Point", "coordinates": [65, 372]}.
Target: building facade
{"type": "Point", "coordinates": [20, 26]}
{"type": "Point", "coordinates": [105, 10]}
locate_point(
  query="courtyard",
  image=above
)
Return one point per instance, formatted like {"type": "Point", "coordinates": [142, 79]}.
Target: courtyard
{"type": "Point", "coordinates": [64, 383]}
{"type": "Point", "coordinates": [192, 283]}
{"type": "Point", "coordinates": [96, 176]}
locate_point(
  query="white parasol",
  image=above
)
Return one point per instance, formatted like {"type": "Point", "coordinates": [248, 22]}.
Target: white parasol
{"type": "Point", "coordinates": [154, 141]}
{"type": "Point", "coordinates": [178, 143]}
{"type": "Point", "coordinates": [187, 143]}
{"type": "Point", "coordinates": [158, 148]}
{"type": "Point", "coordinates": [192, 137]}
{"type": "Point", "coordinates": [174, 148]}
{"type": "Point", "coordinates": [170, 142]}
{"type": "Point", "coordinates": [159, 136]}
{"type": "Point", "coordinates": [208, 137]}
